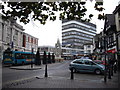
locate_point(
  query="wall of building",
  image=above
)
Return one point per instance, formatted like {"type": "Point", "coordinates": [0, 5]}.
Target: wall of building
{"type": "Point", "coordinates": [88, 49]}
{"type": "Point", "coordinates": [117, 21]}
{"type": "Point", "coordinates": [75, 34]}
{"type": "Point", "coordinates": [11, 35]}
{"type": "Point", "coordinates": [29, 42]}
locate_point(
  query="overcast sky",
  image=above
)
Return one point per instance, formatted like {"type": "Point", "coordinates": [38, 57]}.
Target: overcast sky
{"type": "Point", "coordinates": [51, 31]}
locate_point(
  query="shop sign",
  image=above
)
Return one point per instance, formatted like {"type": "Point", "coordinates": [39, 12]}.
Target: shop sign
{"type": "Point", "coordinates": [111, 51]}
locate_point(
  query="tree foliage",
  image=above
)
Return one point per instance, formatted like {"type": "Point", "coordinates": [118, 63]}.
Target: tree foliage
{"type": "Point", "coordinates": [42, 11]}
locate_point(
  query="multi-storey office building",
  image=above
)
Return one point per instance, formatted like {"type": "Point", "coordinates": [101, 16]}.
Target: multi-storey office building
{"type": "Point", "coordinates": [76, 33]}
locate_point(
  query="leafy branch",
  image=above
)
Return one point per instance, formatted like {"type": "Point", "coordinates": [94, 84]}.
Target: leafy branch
{"type": "Point", "coordinates": [42, 11]}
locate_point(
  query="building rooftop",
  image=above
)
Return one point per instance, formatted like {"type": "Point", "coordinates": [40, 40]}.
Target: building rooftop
{"type": "Point", "coordinates": [30, 35]}
{"type": "Point", "coordinates": [88, 23]}
{"type": "Point", "coordinates": [117, 9]}
{"type": "Point", "coordinates": [111, 19]}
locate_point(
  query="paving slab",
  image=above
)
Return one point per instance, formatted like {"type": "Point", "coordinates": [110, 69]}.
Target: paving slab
{"type": "Point", "coordinates": [26, 67]}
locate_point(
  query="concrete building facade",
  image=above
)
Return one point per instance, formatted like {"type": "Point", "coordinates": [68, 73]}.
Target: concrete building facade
{"type": "Point", "coordinates": [75, 34]}
{"type": "Point", "coordinates": [12, 36]}
{"type": "Point", "coordinates": [88, 48]}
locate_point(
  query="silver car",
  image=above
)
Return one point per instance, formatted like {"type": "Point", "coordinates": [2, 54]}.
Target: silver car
{"type": "Point", "coordinates": [86, 65]}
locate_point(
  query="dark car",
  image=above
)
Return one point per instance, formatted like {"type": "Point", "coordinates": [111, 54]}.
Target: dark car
{"type": "Point", "coordinates": [86, 65]}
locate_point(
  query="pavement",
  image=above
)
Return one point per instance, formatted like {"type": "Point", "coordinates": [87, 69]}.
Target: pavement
{"type": "Point", "coordinates": [26, 67]}
{"type": "Point", "coordinates": [61, 81]}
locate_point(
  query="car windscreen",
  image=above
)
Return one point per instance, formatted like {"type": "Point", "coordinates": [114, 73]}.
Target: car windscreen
{"type": "Point", "coordinates": [98, 62]}
{"type": "Point", "coordinates": [78, 62]}
{"type": "Point", "coordinates": [89, 62]}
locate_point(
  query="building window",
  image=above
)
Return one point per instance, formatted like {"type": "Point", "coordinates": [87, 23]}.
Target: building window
{"type": "Point", "coordinates": [89, 51]}
{"type": "Point", "coordinates": [31, 40]}
{"type": "Point", "coordinates": [24, 40]}
{"type": "Point", "coordinates": [88, 46]}
{"type": "Point", "coordinates": [28, 39]}
{"type": "Point", "coordinates": [16, 32]}
{"type": "Point", "coordinates": [36, 41]}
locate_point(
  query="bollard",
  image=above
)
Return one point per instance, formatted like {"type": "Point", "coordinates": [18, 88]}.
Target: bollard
{"type": "Point", "coordinates": [46, 75]}
{"type": "Point", "coordinates": [72, 74]}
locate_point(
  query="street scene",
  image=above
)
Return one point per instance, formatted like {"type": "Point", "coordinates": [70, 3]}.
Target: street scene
{"type": "Point", "coordinates": [59, 76]}
{"type": "Point", "coordinates": [59, 44]}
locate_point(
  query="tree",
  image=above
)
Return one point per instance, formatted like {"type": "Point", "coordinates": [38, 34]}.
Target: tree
{"type": "Point", "coordinates": [42, 11]}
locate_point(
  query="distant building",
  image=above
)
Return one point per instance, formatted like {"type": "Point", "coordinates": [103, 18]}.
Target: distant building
{"type": "Point", "coordinates": [58, 49]}
{"type": "Point", "coordinates": [71, 53]}
{"type": "Point", "coordinates": [52, 49]}
{"type": "Point", "coordinates": [29, 42]}
{"type": "Point", "coordinates": [75, 34]}
{"type": "Point", "coordinates": [88, 48]}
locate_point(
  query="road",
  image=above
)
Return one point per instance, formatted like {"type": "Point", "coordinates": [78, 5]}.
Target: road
{"type": "Point", "coordinates": [59, 70]}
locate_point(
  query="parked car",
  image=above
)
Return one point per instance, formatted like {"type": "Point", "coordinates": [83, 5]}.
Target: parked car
{"type": "Point", "coordinates": [100, 62]}
{"type": "Point", "coordinates": [86, 65]}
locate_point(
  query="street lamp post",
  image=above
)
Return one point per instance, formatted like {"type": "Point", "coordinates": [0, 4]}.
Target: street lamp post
{"type": "Point", "coordinates": [72, 74]}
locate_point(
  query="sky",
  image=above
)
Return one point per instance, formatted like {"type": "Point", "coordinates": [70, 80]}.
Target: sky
{"type": "Point", "coordinates": [49, 33]}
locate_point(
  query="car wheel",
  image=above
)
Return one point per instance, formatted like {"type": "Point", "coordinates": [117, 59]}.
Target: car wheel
{"type": "Point", "coordinates": [98, 71]}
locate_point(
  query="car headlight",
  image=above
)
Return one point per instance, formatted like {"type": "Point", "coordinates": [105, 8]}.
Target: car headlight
{"type": "Point", "coordinates": [103, 68]}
